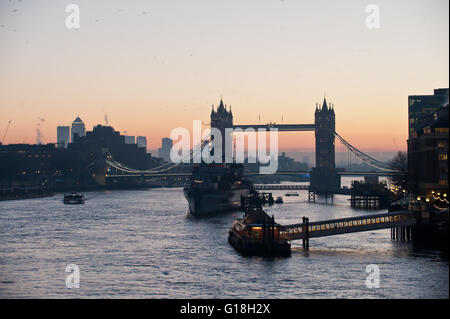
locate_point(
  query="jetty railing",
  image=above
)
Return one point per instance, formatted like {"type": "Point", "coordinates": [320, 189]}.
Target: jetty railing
{"type": "Point", "coordinates": [347, 225]}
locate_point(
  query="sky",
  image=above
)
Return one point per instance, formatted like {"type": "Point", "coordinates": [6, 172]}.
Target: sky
{"type": "Point", "coordinates": [152, 66]}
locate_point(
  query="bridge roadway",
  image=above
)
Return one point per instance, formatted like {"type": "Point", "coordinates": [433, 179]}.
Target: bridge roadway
{"type": "Point", "coordinates": [347, 225]}
{"type": "Point", "coordinates": [279, 127]}
{"type": "Point", "coordinates": [384, 174]}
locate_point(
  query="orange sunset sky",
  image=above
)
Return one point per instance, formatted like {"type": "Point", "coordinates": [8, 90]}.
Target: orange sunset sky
{"type": "Point", "coordinates": [152, 66]}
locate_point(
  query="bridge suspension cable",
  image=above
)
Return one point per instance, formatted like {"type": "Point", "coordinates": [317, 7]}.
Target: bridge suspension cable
{"type": "Point", "coordinates": [366, 158]}
{"type": "Point", "coordinates": [162, 168]}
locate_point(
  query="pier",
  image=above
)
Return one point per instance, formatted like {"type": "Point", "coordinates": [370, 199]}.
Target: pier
{"type": "Point", "coordinates": [306, 230]}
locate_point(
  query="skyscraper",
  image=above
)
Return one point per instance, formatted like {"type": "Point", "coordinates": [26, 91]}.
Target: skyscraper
{"type": "Point", "coordinates": [164, 151]}
{"type": "Point", "coordinates": [141, 141]}
{"type": "Point", "coordinates": [78, 128]}
{"type": "Point", "coordinates": [63, 136]}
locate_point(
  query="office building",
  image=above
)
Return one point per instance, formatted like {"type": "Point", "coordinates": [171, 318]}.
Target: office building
{"type": "Point", "coordinates": [141, 141]}
{"type": "Point", "coordinates": [130, 139]}
{"type": "Point", "coordinates": [62, 136]}
{"type": "Point", "coordinates": [422, 107]}
{"type": "Point", "coordinates": [105, 140]}
{"type": "Point", "coordinates": [78, 129]}
{"type": "Point", "coordinates": [164, 151]}
{"type": "Point", "coordinates": [428, 155]}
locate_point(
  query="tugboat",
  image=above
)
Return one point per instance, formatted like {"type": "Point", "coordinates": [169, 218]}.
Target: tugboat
{"type": "Point", "coordinates": [73, 198]}
{"type": "Point", "coordinates": [279, 200]}
{"type": "Point", "coordinates": [216, 188]}
{"type": "Point", "coordinates": [257, 233]}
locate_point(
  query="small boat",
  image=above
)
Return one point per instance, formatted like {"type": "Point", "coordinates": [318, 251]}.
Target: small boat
{"type": "Point", "coordinates": [291, 194]}
{"type": "Point", "coordinates": [73, 198]}
{"type": "Point", "coordinates": [279, 200]}
{"type": "Point", "coordinates": [258, 234]}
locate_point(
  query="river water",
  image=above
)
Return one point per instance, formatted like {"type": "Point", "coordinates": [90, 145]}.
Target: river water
{"type": "Point", "coordinates": [142, 244]}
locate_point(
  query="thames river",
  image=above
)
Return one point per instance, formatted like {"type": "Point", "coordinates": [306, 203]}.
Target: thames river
{"type": "Point", "coordinates": [142, 244]}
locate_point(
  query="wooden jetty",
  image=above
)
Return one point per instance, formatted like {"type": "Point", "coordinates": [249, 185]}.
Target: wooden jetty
{"type": "Point", "coordinates": [306, 229]}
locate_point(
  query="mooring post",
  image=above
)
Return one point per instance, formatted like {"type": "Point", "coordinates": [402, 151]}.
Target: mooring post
{"type": "Point", "coordinates": [307, 233]}
{"type": "Point", "coordinates": [304, 230]}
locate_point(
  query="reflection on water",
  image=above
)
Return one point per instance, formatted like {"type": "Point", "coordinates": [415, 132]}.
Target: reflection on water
{"type": "Point", "coordinates": [140, 244]}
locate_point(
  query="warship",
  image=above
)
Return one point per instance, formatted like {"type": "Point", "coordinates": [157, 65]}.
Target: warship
{"type": "Point", "coordinates": [216, 188]}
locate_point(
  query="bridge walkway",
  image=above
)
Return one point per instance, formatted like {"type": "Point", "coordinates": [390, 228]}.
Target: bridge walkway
{"type": "Point", "coordinates": [347, 225]}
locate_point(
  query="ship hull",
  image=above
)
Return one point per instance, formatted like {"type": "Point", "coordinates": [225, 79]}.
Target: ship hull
{"type": "Point", "coordinates": [204, 203]}
{"type": "Point", "coordinates": [247, 247]}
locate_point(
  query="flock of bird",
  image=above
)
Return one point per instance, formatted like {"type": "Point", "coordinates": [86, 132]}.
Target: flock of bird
{"type": "Point", "coordinates": [3, 26]}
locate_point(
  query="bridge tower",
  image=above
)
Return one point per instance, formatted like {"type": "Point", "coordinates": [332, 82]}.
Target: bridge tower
{"type": "Point", "coordinates": [222, 119]}
{"type": "Point", "coordinates": [324, 177]}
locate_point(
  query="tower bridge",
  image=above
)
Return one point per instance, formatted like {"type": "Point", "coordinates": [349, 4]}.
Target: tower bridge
{"type": "Point", "coordinates": [324, 177]}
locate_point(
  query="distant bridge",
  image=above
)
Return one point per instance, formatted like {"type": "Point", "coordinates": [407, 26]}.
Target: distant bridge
{"type": "Point", "coordinates": [325, 174]}
{"type": "Point", "coordinates": [164, 174]}
{"type": "Point", "coordinates": [267, 187]}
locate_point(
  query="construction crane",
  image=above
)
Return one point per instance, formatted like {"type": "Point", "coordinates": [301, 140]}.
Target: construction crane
{"type": "Point", "coordinates": [6, 132]}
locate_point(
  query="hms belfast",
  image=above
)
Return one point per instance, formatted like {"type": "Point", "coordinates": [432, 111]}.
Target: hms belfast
{"type": "Point", "coordinates": [217, 187]}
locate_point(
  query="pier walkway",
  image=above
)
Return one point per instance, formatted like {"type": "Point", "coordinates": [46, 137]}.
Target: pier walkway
{"type": "Point", "coordinates": [339, 226]}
